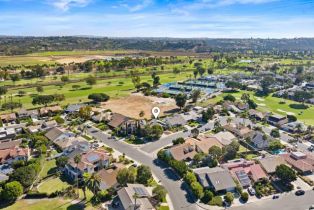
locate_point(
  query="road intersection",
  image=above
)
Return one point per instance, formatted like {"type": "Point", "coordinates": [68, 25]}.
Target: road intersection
{"type": "Point", "coordinates": [179, 193]}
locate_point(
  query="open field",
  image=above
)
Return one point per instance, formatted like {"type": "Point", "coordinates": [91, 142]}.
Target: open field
{"type": "Point", "coordinates": [132, 105]}
{"type": "Point", "coordinates": [24, 60]}
{"type": "Point", "coordinates": [52, 57]}
{"type": "Point", "coordinates": [272, 104]}
{"type": "Point", "coordinates": [116, 88]}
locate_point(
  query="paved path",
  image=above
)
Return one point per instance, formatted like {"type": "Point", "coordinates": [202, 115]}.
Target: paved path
{"type": "Point", "coordinates": [179, 195]}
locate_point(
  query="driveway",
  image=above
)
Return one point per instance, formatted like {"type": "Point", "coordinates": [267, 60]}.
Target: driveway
{"type": "Point", "coordinates": [300, 183]}
{"type": "Point", "coordinates": [179, 195]}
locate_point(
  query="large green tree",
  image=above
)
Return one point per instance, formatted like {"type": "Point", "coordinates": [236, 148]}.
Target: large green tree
{"type": "Point", "coordinates": [11, 191]}
{"type": "Point", "coordinates": [181, 100]}
{"type": "Point", "coordinates": [285, 174]}
{"type": "Point", "coordinates": [144, 174]}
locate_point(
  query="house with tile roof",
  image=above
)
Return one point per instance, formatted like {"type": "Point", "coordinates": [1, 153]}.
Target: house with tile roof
{"type": "Point", "coordinates": [90, 162]}
{"type": "Point", "coordinates": [8, 156]}
{"type": "Point", "coordinates": [108, 177]}
{"type": "Point", "coordinates": [245, 171]}
{"type": "Point", "coordinates": [303, 163]}
{"type": "Point", "coordinates": [8, 118]}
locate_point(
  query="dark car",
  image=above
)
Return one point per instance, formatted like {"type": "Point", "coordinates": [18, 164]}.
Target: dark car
{"type": "Point", "coordinates": [275, 196]}
{"type": "Point", "coordinates": [299, 192]}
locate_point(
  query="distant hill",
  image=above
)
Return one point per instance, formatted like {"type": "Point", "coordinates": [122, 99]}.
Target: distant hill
{"type": "Point", "coordinates": [24, 45]}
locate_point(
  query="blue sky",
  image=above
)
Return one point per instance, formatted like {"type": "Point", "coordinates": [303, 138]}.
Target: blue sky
{"type": "Point", "coordinates": [159, 18]}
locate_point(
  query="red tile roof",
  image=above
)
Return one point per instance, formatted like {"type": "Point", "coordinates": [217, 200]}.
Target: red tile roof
{"type": "Point", "coordinates": [6, 154]}
{"type": "Point", "coordinates": [303, 165]}
{"type": "Point", "coordinates": [257, 172]}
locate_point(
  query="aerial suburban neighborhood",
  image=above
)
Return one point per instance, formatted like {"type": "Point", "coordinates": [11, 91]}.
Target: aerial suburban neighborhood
{"type": "Point", "coordinates": [101, 109]}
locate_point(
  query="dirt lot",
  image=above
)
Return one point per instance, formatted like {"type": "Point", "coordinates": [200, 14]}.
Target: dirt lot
{"type": "Point", "coordinates": [132, 105]}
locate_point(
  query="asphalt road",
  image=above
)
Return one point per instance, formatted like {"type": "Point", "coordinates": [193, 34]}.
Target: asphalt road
{"type": "Point", "coordinates": [285, 202]}
{"type": "Point", "coordinates": [167, 140]}
{"type": "Point", "coordinates": [180, 197]}
{"type": "Point", "coordinates": [163, 142]}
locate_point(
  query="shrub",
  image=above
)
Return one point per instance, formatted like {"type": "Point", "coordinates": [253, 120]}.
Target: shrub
{"type": "Point", "coordinates": [229, 197]}
{"type": "Point", "coordinates": [197, 189]}
{"type": "Point", "coordinates": [208, 196]}
{"type": "Point", "coordinates": [244, 197]}
{"type": "Point", "coordinates": [35, 194]}
{"type": "Point", "coordinates": [104, 196]}
{"type": "Point", "coordinates": [216, 201]}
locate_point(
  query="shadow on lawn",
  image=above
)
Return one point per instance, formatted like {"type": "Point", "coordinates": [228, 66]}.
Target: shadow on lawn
{"type": "Point", "coordinates": [298, 106]}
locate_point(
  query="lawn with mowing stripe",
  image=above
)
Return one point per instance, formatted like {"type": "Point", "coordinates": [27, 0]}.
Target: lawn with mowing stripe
{"type": "Point", "coordinates": [49, 167]}
{"type": "Point", "coordinates": [51, 185]}
{"type": "Point", "coordinates": [274, 105]}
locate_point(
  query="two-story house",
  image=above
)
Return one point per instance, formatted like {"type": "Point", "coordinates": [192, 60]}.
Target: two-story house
{"type": "Point", "coordinates": [90, 162]}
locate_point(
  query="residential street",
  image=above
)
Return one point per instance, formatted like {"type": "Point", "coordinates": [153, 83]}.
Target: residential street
{"type": "Point", "coordinates": [164, 141]}
{"type": "Point", "coordinates": [285, 202]}
{"type": "Point", "coordinates": [167, 140]}
{"type": "Point", "coordinates": [180, 198]}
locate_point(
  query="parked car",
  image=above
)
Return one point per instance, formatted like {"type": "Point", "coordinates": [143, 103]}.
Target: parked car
{"type": "Point", "coordinates": [251, 191]}
{"type": "Point", "coordinates": [275, 196]}
{"type": "Point", "coordinates": [299, 192]}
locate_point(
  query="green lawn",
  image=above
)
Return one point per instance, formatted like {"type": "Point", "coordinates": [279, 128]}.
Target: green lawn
{"type": "Point", "coordinates": [116, 88]}
{"type": "Point", "coordinates": [163, 208]}
{"type": "Point", "coordinates": [44, 204]}
{"type": "Point", "coordinates": [272, 104]}
{"type": "Point", "coordinates": [80, 52]}
{"type": "Point", "coordinates": [48, 168]}
{"type": "Point", "coordinates": [51, 185]}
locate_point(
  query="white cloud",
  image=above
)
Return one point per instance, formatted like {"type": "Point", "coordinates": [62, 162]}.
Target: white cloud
{"type": "Point", "coordinates": [65, 5]}
{"type": "Point", "coordinates": [142, 4]}
{"type": "Point", "coordinates": [208, 4]}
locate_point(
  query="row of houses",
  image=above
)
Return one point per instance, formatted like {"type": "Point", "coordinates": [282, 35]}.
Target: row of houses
{"type": "Point", "coordinates": [221, 179]}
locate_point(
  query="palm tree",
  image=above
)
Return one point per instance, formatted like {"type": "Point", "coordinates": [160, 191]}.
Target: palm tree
{"type": "Point", "coordinates": [135, 196]}
{"type": "Point", "coordinates": [92, 182]}
{"type": "Point", "coordinates": [77, 159]}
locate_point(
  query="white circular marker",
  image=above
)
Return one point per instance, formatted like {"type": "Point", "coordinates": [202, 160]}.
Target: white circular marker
{"type": "Point", "coordinates": [156, 112]}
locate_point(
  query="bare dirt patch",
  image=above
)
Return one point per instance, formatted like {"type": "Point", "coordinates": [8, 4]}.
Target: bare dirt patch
{"type": "Point", "coordinates": [132, 105]}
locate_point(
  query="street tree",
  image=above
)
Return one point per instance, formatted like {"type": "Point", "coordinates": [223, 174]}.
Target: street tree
{"type": "Point", "coordinates": [144, 174]}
